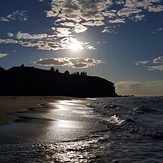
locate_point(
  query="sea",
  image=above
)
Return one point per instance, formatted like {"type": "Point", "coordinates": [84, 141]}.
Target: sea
{"type": "Point", "coordinates": [96, 130]}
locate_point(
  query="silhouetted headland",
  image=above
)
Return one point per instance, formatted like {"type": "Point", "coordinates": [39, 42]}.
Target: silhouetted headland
{"type": "Point", "coordinates": [31, 81]}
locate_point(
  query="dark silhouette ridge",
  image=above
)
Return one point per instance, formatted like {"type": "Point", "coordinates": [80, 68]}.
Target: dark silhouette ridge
{"type": "Point", "coordinates": [31, 81]}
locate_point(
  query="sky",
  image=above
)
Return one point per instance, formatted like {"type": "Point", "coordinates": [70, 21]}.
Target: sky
{"type": "Point", "coordinates": [119, 40]}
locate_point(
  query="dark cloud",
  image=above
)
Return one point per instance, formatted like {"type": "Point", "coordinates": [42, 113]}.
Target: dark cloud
{"type": "Point", "coordinates": [70, 62]}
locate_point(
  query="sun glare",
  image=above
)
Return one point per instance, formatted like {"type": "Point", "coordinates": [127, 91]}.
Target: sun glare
{"type": "Point", "coordinates": [75, 45]}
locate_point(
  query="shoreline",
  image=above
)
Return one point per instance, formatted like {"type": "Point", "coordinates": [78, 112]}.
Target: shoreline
{"type": "Point", "coordinates": [62, 119]}
{"type": "Point", "coordinates": [11, 104]}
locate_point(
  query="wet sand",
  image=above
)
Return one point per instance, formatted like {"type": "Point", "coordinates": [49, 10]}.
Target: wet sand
{"type": "Point", "coordinates": [54, 121]}
{"type": "Point", "coordinates": [10, 104]}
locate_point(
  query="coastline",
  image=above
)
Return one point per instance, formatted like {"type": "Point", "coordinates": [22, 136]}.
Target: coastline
{"type": "Point", "coordinates": [10, 104]}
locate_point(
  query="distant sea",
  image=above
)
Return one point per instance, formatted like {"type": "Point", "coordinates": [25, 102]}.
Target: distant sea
{"type": "Point", "coordinates": [132, 132]}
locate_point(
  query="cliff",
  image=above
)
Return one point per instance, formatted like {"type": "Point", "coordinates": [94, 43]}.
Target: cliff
{"type": "Point", "coordinates": [30, 81]}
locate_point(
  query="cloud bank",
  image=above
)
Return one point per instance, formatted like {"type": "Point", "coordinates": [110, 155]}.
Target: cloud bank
{"type": "Point", "coordinates": [48, 44]}
{"type": "Point", "coordinates": [70, 62]}
{"type": "Point", "coordinates": [150, 88]}
{"type": "Point", "coordinates": [76, 16]}
{"type": "Point", "coordinates": [89, 12]}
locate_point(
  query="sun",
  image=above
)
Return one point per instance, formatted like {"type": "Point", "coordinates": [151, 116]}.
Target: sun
{"type": "Point", "coordinates": [75, 45]}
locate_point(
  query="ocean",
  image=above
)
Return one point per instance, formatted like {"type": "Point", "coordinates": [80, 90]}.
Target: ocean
{"type": "Point", "coordinates": [96, 130]}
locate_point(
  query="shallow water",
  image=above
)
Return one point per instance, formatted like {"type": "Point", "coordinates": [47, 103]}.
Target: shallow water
{"type": "Point", "coordinates": [96, 130]}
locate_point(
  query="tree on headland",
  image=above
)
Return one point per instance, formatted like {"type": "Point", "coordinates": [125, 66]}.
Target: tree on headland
{"type": "Point", "coordinates": [76, 73]}
{"type": "Point", "coordinates": [57, 71]}
{"type": "Point", "coordinates": [22, 65]}
{"type": "Point", "coordinates": [83, 73]}
{"type": "Point", "coordinates": [79, 74]}
{"type": "Point", "coordinates": [52, 69]}
{"type": "Point", "coordinates": [67, 72]}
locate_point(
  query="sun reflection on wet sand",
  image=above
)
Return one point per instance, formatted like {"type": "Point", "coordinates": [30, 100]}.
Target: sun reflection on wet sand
{"type": "Point", "coordinates": [56, 132]}
{"type": "Point", "coordinates": [67, 124]}
{"type": "Point", "coordinates": [62, 120]}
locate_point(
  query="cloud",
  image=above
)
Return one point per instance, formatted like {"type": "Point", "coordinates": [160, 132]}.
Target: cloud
{"type": "Point", "coordinates": [93, 23]}
{"type": "Point", "coordinates": [10, 34]}
{"type": "Point", "coordinates": [96, 12]}
{"type": "Point", "coordinates": [156, 30]}
{"type": "Point", "coordinates": [78, 10]}
{"type": "Point", "coordinates": [68, 24]}
{"type": "Point", "coordinates": [12, 41]}
{"type": "Point", "coordinates": [117, 21]}
{"type": "Point", "coordinates": [16, 15]}
{"type": "Point", "coordinates": [106, 30]}
{"type": "Point", "coordinates": [145, 4]}
{"type": "Point", "coordinates": [72, 43]}
{"type": "Point", "coordinates": [155, 67]}
{"type": "Point", "coordinates": [109, 30]}
{"type": "Point", "coordinates": [141, 62]}
{"type": "Point", "coordinates": [28, 36]}
{"type": "Point", "coordinates": [3, 55]}
{"type": "Point", "coordinates": [70, 62]}
{"type": "Point", "coordinates": [8, 41]}
{"type": "Point", "coordinates": [150, 88]}
{"type": "Point", "coordinates": [158, 60]}
{"type": "Point", "coordinates": [158, 8]}
{"type": "Point", "coordinates": [127, 12]}
{"type": "Point", "coordinates": [90, 47]}
{"type": "Point", "coordinates": [62, 32]}
{"type": "Point", "coordinates": [138, 17]}
{"type": "Point", "coordinates": [120, 2]}
{"type": "Point", "coordinates": [4, 19]}
{"type": "Point", "coordinates": [79, 28]}
{"type": "Point", "coordinates": [110, 13]}
{"type": "Point", "coordinates": [49, 45]}
{"type": "Point", "coordinates": [76, 16]}
{"type": "Point", "coordinates": [65, 43]}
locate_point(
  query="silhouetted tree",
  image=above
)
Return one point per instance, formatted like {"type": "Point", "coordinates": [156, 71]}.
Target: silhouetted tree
{"type": "Point", "coordinates": [73, 73]}
{"type": "Point", "coordinates": [83, 74]}
{"type": "Point", "coordinates": [57, 71]}
{"type": "Point", "coordinates": [67, 72]}
{"type": "Point", "coordinates": [52, 69]}
{"type": "Point", "coordinates": [77, 73]}
{"type": "Point", "coordinates": [22, 65]}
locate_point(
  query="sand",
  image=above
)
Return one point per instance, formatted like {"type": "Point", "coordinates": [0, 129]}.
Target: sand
{"type": "Point", "coordinates": [10, 104]}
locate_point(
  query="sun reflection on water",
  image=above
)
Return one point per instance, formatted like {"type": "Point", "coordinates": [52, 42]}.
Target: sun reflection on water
{"type": "Point", "coordinates": [67, 124]}
{"type": "Point", "coordinates": [67, 104]}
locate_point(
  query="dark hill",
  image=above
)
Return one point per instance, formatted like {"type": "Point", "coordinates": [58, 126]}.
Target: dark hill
{"type": "Point", "coordinates": [30, 81]}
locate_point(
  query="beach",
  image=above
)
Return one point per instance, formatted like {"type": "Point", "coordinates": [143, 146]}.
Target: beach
{"type": "Point", "coordinates": [63, 129]}
{"type": "Point", "coordinates": [45, 119]}
{"type": "Point", "coordinates": [10, 104]}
